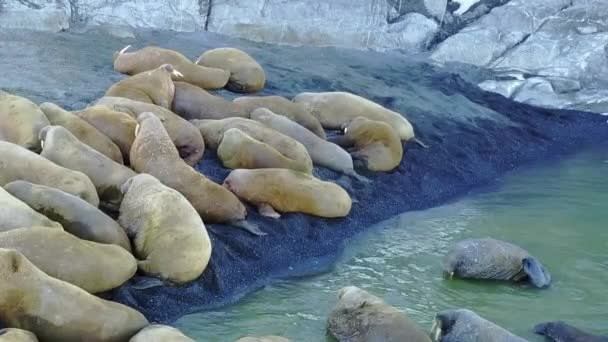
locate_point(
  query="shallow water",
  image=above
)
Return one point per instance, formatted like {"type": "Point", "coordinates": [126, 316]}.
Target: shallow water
{"type": "Point", "coordinates": [557, 212]}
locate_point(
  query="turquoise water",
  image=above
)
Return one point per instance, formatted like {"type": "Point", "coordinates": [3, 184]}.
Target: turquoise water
{"type": "Point", "coordinates": [558, 212]}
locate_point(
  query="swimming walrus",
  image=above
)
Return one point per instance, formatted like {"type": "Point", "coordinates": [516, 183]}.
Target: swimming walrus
{"type": "Point", "coordinates": [284, 190]}
{"type": "Point", "coordinates": [154, 86]}
{"type": "Point", "coordinates": [75, 215]}
{"type": "Point", "coordinates": [20, 121]}
{"type": "Point", "coordinates": [487, 258]}
{"type": "Point", "coordinates": [160, 333]}
{"type": "Point", "coordinates": [281, 106]}
{"type": "Point", "coordinates": [82, 130]}
{"type": "Point", "coordinates": [464, 325]}
{"type": "Point", "coordinates": [213, 132]}
{"type": "Point", "coordinates": [246, 75]}
{"type": "Point", "coordinates": [238, 150]}
{"type": "Point", "coordinates": [186, 138]}
{"type": "Point", "coordinates": [375, 143]}
{"type": "Point", "coordinates": [562, 332]}
{"type": "Point", "coordinates": [18, 163]}
{"type": "Point", "coordinates": [322, 152]}
{"type": "Point", "coordinates": [191, 102]}
{"type": "Point", "coordinates": [16, 335]}
{"type": "Point", "coordinates": [152, 57]}
{"type": "Point", "coordinates": [55, 310]}
{"type": "Point", "coordinates": [170, 239]}
{"type": "Point", "coordinates": [359, 316]}
{"type": "Point", "coordinates": [214, 203]}
{"type": "Point", "coordinates": [92, 266]}
{"type": "Point", "coordinates": [118, 126]}
{"type": "Point", "coordinates": [269, 338]}
{"type": "Point", "coordinates": [335, 109]}
{"type": "Point", "coordinates": [61, 147]}
{"type": "Point", "coordinates": [16, 214]}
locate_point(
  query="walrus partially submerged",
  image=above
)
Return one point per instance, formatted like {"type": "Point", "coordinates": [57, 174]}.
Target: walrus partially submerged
{"type": "Point", "coordinates": [562, 332]}
{"type": "Point", "coordinates": [20, 121]}
{"type": "Point", "coordinates": [464, 325]}
{"type": "Point", "coordinates": [492, 259]}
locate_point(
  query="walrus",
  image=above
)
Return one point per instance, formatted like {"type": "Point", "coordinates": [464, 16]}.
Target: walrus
{"type": "Point", "coordinates": [238, 150]}
{"type": "Point", "coordinates": [284, 190]}
{"type": "Point", "coordinates": [75, 215]}
{"type": "Point", "coordinates": [170, 239]}
{"type": "Point", "coordinates": [152, 57]}
{"type": "Point", "coordinates": [16, 335]}
{"type": "Point", "coordinates": [20, 121]}
{"type": "Point", "coordinates": [562, 332]}
{"type": "Point", "coordinates": [16, 214]}
{"type": "Point", "coordinates": [359, 316]}
{"type": "Point", "coordinates": [82, 130]}
{"type": "Point", "coordinates": [281, 106]}
{"type": "Point", "coordinates": [191, 102]}
{"type": "Point", "coordinates": [334, 109]}
{"type": "Point", "coordinates": [214, 203]}
{"type": "Point", "coordinates": [19, 163]}
{"type": "Point", "coordinates": [464, 325]}
{"type": "Point", "coordinates": [185, 136]}
{"type": "Point", "coordinates": [92, 266]}
{"type": "Point", "coordinates": [322, 152]}
{"type": "Point", "coordinates": [154, 86]}
{"type": "Point", "coordinates": [160, 333]}
{"type": "Point", "coordinates": [269, 338]}
{"type": "Point", "coordinates": [487, 258]}
{"type": "Point", "coordinates": [374, 143]}
{"type": "Point", "coordinates": [55, 310]}
{"type": "Point", "coordinates": [213, 132]}
{"type": "Point", "coordinates": [246, 75]}
{"type": "Point", "coordinates": [118, 126]}
{"type": "Point", "coordinates": [61, 147]}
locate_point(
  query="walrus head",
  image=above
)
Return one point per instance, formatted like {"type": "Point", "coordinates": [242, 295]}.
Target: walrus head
{"type": "Point", "coordinates": [537, 275]}
{"type": "Point", "coordinates": [170, 69]}
{"type": "Point", "coordinates": [43, 133]}
{"type": "Point", "coordinates": [561, 331]}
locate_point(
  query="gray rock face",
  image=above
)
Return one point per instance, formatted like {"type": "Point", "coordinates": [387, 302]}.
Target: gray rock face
{"type": "Point", "coordinates": [38, 15]}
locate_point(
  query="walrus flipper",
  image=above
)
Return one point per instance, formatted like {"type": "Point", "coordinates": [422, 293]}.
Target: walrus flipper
{"type": "Point", "coordinates": [250, 227]}
{"type": "Point", "coordinates": [267, 210]}
{"type": "Point", "coordinates": [537, 275]}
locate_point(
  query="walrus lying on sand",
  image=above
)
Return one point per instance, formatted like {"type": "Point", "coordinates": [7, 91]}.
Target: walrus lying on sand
{"type": "Point", "coordinates": [20, 121]}
{"type": "Point", "coordinates": [191, 102]}
{"type": "Point", "coordinates": [246, 75]}
{"type": "Point", "coordinates": [16, 214]}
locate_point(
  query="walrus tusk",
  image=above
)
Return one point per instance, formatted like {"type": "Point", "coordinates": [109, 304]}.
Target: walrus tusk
{"type": "Point", "coordinates": [124, 49]}
{"type": "Point", "coordinates": [41, 143]}
{"type": "Point", "coordinates": [435, 331]}
{"type": "Point", "coordinates": [198, 60]}
{"type": "Point", "coordinates": [136, 130]}
{"type": "Point", "coordinates": [177, 73]}
{"type": "Point", "coordinates": [420, 143]}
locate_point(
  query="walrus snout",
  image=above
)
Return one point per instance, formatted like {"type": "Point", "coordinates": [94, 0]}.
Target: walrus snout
{"type": "Point", "coordinates": [42, 134]}
{"type": "Point", "coordinates": [442, 325]}
{"type": "Point", "coordinates": [537, 274]}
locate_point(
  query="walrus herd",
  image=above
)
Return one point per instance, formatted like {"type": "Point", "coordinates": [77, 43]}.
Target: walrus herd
{"type": "Point", "coordinates": [90, 197]}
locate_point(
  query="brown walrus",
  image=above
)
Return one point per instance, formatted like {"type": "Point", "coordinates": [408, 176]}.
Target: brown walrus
{"type": "Point", "coordinates": [118, 126]}
{"type": "Point", "coordinates": [282, 106]}
{"type": "Point", "coordinates": [16, 335]}
{"type": "Point", "coordinates": [61, 147]}
{"type": "Point", "coordinates": [160, 333]}
{"type": "Point", "coordinates": [82, 130]}
{"type": "Point", "coordinates": [77, 216]}
{"type": "Point", "coordinates": [92, 266]}
{"type": "Point", "coordinates": [286, 190]}
{"type": "Point", "coordinates": [18, 163]}
{"type": "Point", "coordinates": [186, 138]}
{"type": "Point", "coordinates": [246, 75]}
{"type": "Point", "coordinates": [214, 203]}
{"type": "Point", "coordinates": [152, 57]}
{"type": "Point", "coordinates": [20, 121]}
{"type": "Point", "coordinates": [16, 214]}
{"type": "Point", "coordinates": [55, 310]}
{"type": "Point", "coordinates": [154, 86]}
{"type": "Point", "coordinates": [191, 102]}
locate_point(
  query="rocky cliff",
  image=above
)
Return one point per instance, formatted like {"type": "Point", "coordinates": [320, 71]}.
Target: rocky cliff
{"type": "Point", "coordinates": [545, 52]}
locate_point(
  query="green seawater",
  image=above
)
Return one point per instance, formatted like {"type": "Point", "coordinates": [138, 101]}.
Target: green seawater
{"type": "Point", "coordinates": [558, 212]}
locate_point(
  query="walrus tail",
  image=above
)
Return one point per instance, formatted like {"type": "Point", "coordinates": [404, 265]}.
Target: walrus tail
{"type": "Point", "coordinates": [249, 227]}
{"type": "Point", "coordinates": [420, 143]}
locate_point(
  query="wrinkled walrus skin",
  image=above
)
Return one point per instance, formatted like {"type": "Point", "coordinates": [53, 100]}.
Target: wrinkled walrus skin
{"type": "Point", "coordinates": [20, 121]}
{"type": "Point", "coordinates": [55, 310]}
{"type": "Point", "coordinates": [464, 325]}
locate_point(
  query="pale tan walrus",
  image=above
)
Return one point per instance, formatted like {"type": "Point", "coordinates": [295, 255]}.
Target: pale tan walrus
{"type": "Point", "coordinates": [283, 190]}
{"type": "Point", "coordinates": [92, 266]}
{"type": "Point", "coordinates": [77, 216]}
{"type": "Point", "coordinates": [61, 147]}
{"type": "Point", "coordinates": [213, 133]}
{"type": "Point", "coordinates": [118, 126]}
{"type": "Point", "coordinates": [279, 105]}
{"type": "Point", "coordinates": [214, 203]}
{"type": "Point", "coordinates": [335, 109]}
{"type": "Point", "coordinates": [186, 138]}
{"type": "Point", "coordinates": [246, 75]}
{"type": "Point", "coordinates": [20, 121]}
{"type": "Point", "coordinates": [16, 214]}
{"type": "Point", "coordinates": [55, 310]}
{"type": "Point", "coordinates": [191, 102]}
{"type": "Point", "coordinates": [154, 86]}
{"type": "Point", "coordinates": [152, 57]}
{"type": "Point", "coordinates": [170, 239]}
{"type": "Point", "coordinates": [16, 335]}
{"type": "Point", "coordinates": [18, 163]}
{"type": "Point", "coordinates": [82, 130]}
{"type": "Point", "coordinates": [160, 333]}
